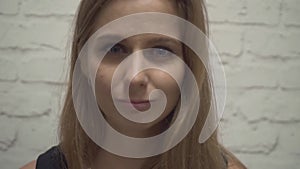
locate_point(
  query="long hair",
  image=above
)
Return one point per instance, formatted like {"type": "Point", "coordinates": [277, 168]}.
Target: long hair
{"type": "Point", "coordinates": [79, 149]}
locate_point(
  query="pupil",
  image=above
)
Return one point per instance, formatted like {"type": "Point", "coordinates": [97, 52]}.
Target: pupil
{"type": "Point", "coordinates": [115, 49]}
{"type": "Point", "coordinates": [161, 52]}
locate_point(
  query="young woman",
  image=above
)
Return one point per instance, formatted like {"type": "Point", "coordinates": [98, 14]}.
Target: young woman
{"type": "Point", "coordinates": [76, 150]}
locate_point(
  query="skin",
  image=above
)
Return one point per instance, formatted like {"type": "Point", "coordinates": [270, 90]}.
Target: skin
{"type": "Point", "coordinates": [146, 81]}
{"type": "Point", "coordinates": [141, 85]}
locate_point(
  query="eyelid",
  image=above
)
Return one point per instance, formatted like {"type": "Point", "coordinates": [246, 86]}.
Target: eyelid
{"type": "Point", "coordinates": [164, 47]}
{"type": "Point", "coordinates": [108, 47]}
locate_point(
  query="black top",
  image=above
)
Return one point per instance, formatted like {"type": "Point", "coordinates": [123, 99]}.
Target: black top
{"type": "Point", "coordinates": [52, 159]}
{"type": "Point", "coordinates": [55, 159]}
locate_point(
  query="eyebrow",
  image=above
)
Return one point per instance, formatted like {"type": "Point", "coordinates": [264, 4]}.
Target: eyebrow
{"type": "Point", "coordinates": [164, 40]}
{"type": "Point", "coordinates": [110, 37]}
{"type": "Point", "coordinates": [152, 40]}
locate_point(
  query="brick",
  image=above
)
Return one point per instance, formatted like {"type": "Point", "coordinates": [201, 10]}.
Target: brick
{"type": "Point", "coordinates": [8, 69]}
{"type": "Point", "coordinates": [291, 12]}
{"type": "Point", "coordinates": [34, 136]}
{"type": "Point", "coordinates": [237, 132]}
{"type": "Point", "coordinates": [49, 7]}
{"type": "Point", "coordinates": [272, 43]}
{"type": "Point", "coordinates": [226, 10]}
{"type": "Point", "coordinates": [245, 11]}
{"type": "Point", "coordinates": [231, 109]}
{"type": "Point", "coordinates": [269, 161]}
{"type": "Point", "coordinates": [289, 139]}
{"type": "Point", "coordinates": [228, 40]}
{"type": "Point", "coordinates": [9, 6]}
{"type": "Point", "coordinates": [263, 12]}
{"type": "Point", "coordinates": [285, 154]}
{"type": "Point", "coordinates": [4, 28]}
{"type": "Point", "coordinates": [286, 106]}
{"type": "Point", "coordinates": [35, 35]}
{"type": "Point", "coordinates": [9, 61]}
{"type": "Point", "coordinates": [289, 74]}
{"type": "Point", "coordinates": [244, 74]}
{"type": "Point", "coordinates": [34, 100]}
{"type": "Point", "coordinates": [42, 130]}
{"type": "Point", "coordinates": [6, 86]}
{"type": "Point", "coordinates": [8, 133]}
{"type": "Point", "coordinates": [8, 159]}
{"type": "Point", "coordinates": [273, 105]}
{"type": "Point", "coordinates": [43, 66]}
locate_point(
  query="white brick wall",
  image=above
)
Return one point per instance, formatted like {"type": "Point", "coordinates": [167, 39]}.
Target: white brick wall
{"type": "Point", "coordinates": [258, 42]}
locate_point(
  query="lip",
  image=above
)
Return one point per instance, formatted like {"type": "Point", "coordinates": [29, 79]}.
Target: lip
{"type": "Point", "coordinates": [139, 104]}
{"type": "Point", "coordinates": [134, 101]}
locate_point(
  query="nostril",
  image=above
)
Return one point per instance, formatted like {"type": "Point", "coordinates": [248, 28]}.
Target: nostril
{"type": "Point", "coordinates": [138, 83]}
{"type": "Point", "coordinates": [139, 80]}
{"type": "Point", "coordinates": [142, 84]}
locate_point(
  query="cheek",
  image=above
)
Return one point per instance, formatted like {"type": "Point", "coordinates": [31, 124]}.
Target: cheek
{"type": "Point", "coordinates": [102, 85]}
{"type": "Point", "coordinates": [169, 87]}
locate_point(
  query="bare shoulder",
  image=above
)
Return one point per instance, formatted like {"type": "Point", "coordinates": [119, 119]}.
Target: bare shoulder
{"type": "Point", "coordinates": [30, 165]}
{"type": "Point", "coordinates": [233, 161]}
{"type": "Point", "coordinates": [235, 164]}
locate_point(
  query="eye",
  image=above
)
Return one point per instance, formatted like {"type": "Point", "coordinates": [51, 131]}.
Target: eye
{"type": "Point", "coordinates": [162, 51]}
{"type": "Point", "coordinates": [118, 48]}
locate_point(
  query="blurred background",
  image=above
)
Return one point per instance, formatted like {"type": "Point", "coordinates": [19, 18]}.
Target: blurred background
{"type": "Point", "coordinates": [259, 43]}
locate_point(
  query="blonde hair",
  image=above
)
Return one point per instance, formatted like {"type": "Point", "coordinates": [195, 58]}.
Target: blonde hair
{"type": "Point", "coordinates": [79, 149]}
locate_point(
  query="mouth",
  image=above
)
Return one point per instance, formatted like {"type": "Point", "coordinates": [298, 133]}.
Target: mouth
{"type": "Point", "coordinates": [141, 105]}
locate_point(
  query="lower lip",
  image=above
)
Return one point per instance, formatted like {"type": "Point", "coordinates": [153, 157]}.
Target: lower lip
{"type": "Point", "coordinates": [141, 106]}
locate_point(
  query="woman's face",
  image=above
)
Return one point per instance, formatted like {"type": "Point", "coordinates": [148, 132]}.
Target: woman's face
{"type": "Point", "coordinates": [144, 82]}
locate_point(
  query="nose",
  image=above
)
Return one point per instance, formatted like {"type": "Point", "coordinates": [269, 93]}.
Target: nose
{"type": "Point", "coordinates": [140, 80]}
{"type": "Point", "coordinates": [135, 75]}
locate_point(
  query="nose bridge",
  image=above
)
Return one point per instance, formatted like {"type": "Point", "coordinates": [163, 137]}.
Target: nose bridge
{"type": "Point", "coordinates": [137, 47]}
{"type": "Point", "coordinates": [134, 74]}
{"type": "Point", "coordinates": [135, 62]}
{"type": "Point", "coordinates": [137, 59]}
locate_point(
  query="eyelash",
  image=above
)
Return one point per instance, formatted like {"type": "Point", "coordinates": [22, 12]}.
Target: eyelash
{"type": "Point", "coordinates": [118, 45]}
{"type": "Point", "coordinates": [164, 48]}
{"type": "Point", "coordinates": [126, 51]}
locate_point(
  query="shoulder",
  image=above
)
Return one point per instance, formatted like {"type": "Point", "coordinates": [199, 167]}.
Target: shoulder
{"type": "Point", "coordinates": [30, 165]}
{"type": "Point", "coordinates": [53, 158]}
{"type": "Point", "coordinates": [232, 161]}
{"type": "Point", "coordinates": [233, 164]}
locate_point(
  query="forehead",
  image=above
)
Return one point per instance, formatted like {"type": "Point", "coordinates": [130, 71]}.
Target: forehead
{"type": "Point", "coordinates": [115, 9]}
